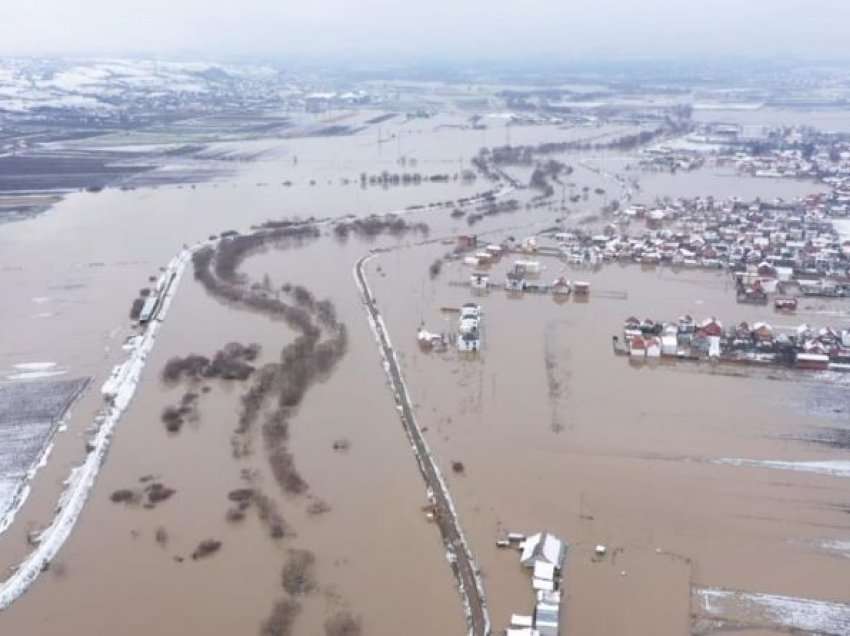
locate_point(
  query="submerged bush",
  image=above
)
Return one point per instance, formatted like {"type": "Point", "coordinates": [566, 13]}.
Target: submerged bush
{"type": "Point", "coordinates": [342, 624]}
{"type": "Point", "coordinates": [298, 576]}
{"type": "Point", "coordinates": [284, 471]}
{"type": "Point", "coordinates": [318, 507]}
{"type": "Point", "coordinates": [281, 619]}
{"type": "Point", "coordinates": [157, 492]}
{"type": "Point", "coordinates": [124, 495]}
{"type": "Point", "coordinates": [172, 417]}
{"type": "Point", "coordinates": [192, 366]}
{"type": "Point", "coordinates": [206, 548]}
{"type": "Point", "coordinates": [136, 308]}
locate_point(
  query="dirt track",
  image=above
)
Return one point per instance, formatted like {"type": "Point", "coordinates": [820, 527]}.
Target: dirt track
{"type": "Point", "coordinates": [459, 555]}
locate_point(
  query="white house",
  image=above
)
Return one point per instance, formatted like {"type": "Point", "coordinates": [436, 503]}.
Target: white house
{"type": "Point", "coordinates": [546, 618]}
{"type": "Point", "coordinates": [653, 347]}
{"type": "Point", "coordinates": [514, 281]}
{"type": "Point", "coordinates": [521, 620]}
{"type": "Point", "coordinates": [713, 346]}
{"type": "Point", "coordinates": [467, 342]}
{"type": "Point", "coordinates": [561, 287]}
{"type": "Point", "coordinates": [479, 280]}
{"type": "Point", "coordinates": [582, 288]}
{"type": "Point", "coordinates": [528, 267]}
{"type": "Point", "coordinates": [669, 344]}
{"type": "Point", "coordinates": [542, 547]}
{"type": "Point", "coordinates": [470, 310]}
{"type": "Point", "coordinates": [469, 334]}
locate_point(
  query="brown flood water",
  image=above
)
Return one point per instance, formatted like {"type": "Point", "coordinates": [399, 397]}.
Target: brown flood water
{"type": "Point", "coordinates": [613, 454]}
{"type": "Point", "coordinates": [369, 547]}
{"type": "Point", "coordinates": [84, 262]}
{"type": "Point", "coordinates": [622, 469]}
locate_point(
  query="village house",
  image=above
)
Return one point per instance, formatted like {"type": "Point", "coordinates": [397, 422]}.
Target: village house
{"type": "Point", "coordinates": [479, 281]}
{"type": "Point", "coordinates": [760, 343]}
{"type": "Point", "coordinates": [529, 268]}
{"type": "Point", "coordinates": [469, 328]}
{"type": "Point", "coordinates": [543, 554]}
{"type": "Point", "coordinates": [561, 287]}
{"type": "Point", "coordinates": [514, 281]}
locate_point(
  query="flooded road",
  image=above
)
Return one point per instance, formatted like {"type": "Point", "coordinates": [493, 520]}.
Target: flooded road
{"type": "Point", "coordinates": [458, 551]}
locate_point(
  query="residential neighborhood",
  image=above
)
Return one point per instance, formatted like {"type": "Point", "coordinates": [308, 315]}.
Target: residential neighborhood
{"type": "Point", "coordinates": [759, 343]}
{"type": "Point", "coordinates": [768, 247]}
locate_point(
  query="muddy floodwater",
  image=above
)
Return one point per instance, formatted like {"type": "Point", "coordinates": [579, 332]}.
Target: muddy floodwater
{"type": "Point", "coordinates": [724, 183]}
{"type": "Point", "coordinates": [556, 432]}
{"type": "Point", "coordinates": [553, 430]}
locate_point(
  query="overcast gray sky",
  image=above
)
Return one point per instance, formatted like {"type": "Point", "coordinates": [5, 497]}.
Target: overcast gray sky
{"type": "Point", "coordinates": [429, 29]}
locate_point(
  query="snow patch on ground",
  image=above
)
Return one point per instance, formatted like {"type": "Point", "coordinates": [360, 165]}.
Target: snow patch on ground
{"type": "Point", "coordinates": [35, 375]}
{"type": "Point", "coordinates": [35, 366]}
{"type": "Point", "coordinates": [838, 547]}
{"type": "Point", "coordinates": [835, 468]}
{"type": "Point", "coordinates": [755, 609]}
{"type": "Point", "coordinates": [11, 498]}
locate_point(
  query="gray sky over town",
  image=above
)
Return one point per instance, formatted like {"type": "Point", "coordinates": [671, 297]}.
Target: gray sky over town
{"type": "Point", "coordinates": [572, 30]}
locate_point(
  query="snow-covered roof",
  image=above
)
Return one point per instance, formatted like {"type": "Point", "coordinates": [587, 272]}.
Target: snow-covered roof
{"type": "Point", "coordinates": [543, 570]}
{"type": "Point", "coordinates": [551, 598]}
{"type": "Point", "coordinates": [542, 547]}
{"type": "Point", "coordinates": [543, 584]}
{"type": "Point", "coordinates": [521, 620]}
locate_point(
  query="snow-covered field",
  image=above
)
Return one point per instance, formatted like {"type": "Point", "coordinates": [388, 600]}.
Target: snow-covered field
{"type": "Point", "coordinates": [835, 468]}
{"type": "Point", "coordinates": [97, 85]}
{"type": "Point", "coordinates": [30, 413]}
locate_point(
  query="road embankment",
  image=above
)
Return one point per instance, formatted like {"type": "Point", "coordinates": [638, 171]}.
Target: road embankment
{"type": "Point", "coordinates": [458, 553]}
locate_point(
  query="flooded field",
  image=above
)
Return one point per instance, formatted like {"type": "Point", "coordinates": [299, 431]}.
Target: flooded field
{"type": "Point", "coordinates": [724, 183]}
{"type": "Point", "coordinates": [827, 119]}
{"type": "Point", "coordinates": [619, 455]}
{"type": "Point", "coordinates": [680, 469]}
